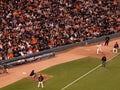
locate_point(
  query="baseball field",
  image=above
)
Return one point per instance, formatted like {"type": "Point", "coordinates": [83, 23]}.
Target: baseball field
{"type": "Point", "coordinates": [82, 74]}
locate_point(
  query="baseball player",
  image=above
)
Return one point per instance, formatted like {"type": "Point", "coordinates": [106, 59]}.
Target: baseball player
{"type": "Point", "coordinates": [40, 81]}
{"type": "Point", "coordinates": [115, 49]}
{"type": "Point", "coordinates": [99, 48]}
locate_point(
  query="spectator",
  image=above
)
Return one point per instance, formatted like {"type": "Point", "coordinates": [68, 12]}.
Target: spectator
{"type": "Point", "coordinates": [0, 57]}
{"type": "Point", "coordinates": [29, 26]}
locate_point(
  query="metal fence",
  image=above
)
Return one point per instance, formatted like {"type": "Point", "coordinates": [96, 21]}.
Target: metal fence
{"type": "Point", "coordinates": [51, 52]}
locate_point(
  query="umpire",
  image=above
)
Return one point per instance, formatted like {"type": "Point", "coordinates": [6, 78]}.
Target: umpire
{"type": "Point", "coordinates": [104, 59]}
{"type": "Point", "coordinates": [107, 39]}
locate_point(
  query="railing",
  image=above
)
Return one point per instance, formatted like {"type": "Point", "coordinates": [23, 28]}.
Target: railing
{"type": "Point", "coordinates": [51, 52]}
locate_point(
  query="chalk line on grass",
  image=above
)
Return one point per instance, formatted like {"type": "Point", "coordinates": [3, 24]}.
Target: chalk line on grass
{"type": "Point", "coordinates": [86, 74]}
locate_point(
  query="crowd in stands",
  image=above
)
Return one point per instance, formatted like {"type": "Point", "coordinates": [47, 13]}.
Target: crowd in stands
{"type": "Point", "coordinates": [30, 26]}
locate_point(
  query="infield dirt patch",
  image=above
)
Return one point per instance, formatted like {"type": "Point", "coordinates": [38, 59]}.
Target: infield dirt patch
{"type": "Point", "coordinates": [46, 76]}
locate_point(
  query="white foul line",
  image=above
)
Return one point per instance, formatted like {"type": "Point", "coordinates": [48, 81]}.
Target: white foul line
{"type": "Point", "coordinates": [86, 74]}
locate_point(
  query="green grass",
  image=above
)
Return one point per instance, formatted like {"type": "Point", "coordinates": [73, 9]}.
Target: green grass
{"type": "Point", "coordinates": [101, 79]}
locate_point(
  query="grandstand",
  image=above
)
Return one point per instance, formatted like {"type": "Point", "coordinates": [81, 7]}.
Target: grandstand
{"type": "Point", "coordinates": [32, 26]}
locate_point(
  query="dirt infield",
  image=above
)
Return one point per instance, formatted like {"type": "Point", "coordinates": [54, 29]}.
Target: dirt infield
{"type": "Point", "coordinates": [46, 76]}
{"type": "Point", "coordinates": [23, 71]}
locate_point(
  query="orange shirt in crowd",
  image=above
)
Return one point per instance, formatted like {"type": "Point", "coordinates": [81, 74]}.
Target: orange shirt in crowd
{"type": "Point", "coordinates": [65, 32]}
{"type": "Point", "coordinates": [80, 20]}
{"type": "Point", "coordinates": [5, 33]}
{"type": "Point", "coordinates": [114, 1]}
{"type": "Point", "coordinates": [52, 42]}
{"type": "Point", "coordinates": [77, 6]}
{"type": "Point", "coordinates": [30, 8]}
{"type": "Point", "coordinates": [35, 50]}
{"type": "Point", "coordinates": [11, 55]}
{"type": "Point", "coordinates": [34, 40]}
{"type": "Point", "coordinates": [0, 43]}
{"type": "Point", "coordinates": [91, 31]}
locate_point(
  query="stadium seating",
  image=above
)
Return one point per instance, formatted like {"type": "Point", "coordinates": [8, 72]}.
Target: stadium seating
{"type": "Point", "coordinates": [31, 26]}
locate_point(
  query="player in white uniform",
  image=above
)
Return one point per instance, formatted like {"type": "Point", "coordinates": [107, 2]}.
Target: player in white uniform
{"type": "Point", "coordinates": [99, 48]}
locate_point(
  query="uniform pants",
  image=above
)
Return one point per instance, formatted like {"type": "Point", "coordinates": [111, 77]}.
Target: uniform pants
{"type": "Point", "coordinates": [99, 50]}
{"type": "Point", "coordinates": [40, 83]}
{"type": "Point", "coordinates": [115, 50]}
{"type": "Point", "coordinates": [103, 63]}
